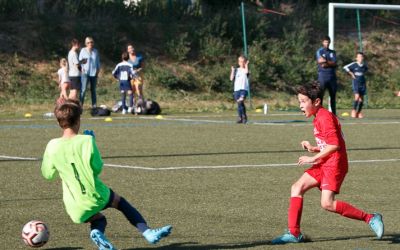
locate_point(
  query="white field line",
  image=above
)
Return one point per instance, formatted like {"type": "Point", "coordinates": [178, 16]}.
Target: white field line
{"type": "Point", "coordinates": [235, 166]}
{"type": "Point", "coordinates": [18, 158]}
{"type": "Point", "coordinates": [202, 167]}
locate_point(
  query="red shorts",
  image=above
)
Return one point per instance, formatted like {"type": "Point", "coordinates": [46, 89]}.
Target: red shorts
{"type": "Point", "coordinates": [329, 178]}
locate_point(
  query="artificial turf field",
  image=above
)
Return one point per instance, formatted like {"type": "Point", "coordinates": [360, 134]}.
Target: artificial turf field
{"type": "Point", "coordinates": [221, 185]}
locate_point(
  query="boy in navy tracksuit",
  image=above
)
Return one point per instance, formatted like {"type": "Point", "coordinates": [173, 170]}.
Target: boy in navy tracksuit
{"type": "Point", "coordinates": [357, 71]}
{"type": "Point", "coordinates": [124, 73]}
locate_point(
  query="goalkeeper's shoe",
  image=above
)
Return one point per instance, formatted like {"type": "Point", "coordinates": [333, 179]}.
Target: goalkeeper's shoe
{"type": "Point", "coordinates": [100, 240]}
{"type": "Point", "coordinates": [154, 235]}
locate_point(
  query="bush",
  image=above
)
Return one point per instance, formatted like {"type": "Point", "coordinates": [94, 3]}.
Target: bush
{"type": "Point", "coordinates": [178, 48]}
{"type": "Point", "coordinates": [282, 64]}
{"type": "Point", "coordinates": [165, 77]}
{"type": "Point", "coordinates": [215, 78]}
{"type": "Point", "coordinates": [214, 49]}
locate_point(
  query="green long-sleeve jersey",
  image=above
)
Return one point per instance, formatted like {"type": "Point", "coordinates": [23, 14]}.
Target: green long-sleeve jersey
{"type": "Point", "coordinates": [78, 162]}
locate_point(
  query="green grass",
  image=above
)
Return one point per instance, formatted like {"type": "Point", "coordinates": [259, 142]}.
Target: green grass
{"type": "Point", "coordinates": [220, 208]}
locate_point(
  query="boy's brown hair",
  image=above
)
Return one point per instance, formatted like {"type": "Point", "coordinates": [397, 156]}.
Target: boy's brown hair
{"type": "Point", "coordinates": [125, 56]}
{"type": "Point", "coordinates": [311, 90]}
{"type": "Point", "coordinates": [68, 112]}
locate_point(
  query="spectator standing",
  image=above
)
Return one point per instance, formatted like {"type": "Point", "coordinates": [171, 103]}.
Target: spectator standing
{"type": "Point", "coordinates": [326, 59]}
{"type": "Point", "coordinates": [63, 80]}
{"type": "Point", "coordinates": [90, 70]}
{"type": "Point", "coordinates": [136, 60]}
{"type": "Point", "coordinates": [74, 69]}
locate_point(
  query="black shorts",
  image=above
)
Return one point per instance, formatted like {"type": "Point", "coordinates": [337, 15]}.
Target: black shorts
{"type": "Point", "coordinates": [110, 200]}
{"type": "Point", "coordinates": [75, 82]}
{"type": "Point", "coordinates": [108, 205]}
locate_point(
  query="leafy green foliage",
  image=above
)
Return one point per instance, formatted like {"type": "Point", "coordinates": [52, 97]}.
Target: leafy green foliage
{"type": "Point", "coordinates": [178, 48]}
{"type": "Point", "coordinates": [188, 48]}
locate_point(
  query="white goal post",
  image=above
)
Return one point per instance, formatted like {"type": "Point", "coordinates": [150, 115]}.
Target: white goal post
{"type": "Point", "coordinates": [331, 13]}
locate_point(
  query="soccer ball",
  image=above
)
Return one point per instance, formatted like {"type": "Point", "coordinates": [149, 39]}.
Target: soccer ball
{"type": "Point", "coordinates": [35, 233]}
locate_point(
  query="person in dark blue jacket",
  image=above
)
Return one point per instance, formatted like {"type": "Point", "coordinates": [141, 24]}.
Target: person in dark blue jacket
{"type": "Point", "coordinates": [326, 59]}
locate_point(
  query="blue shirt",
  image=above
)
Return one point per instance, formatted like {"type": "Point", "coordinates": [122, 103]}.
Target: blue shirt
{"type": "Point", "coordinates": [329, 55]}
{"type": "Point", "coordinates": [138, 61]}
{"type": "Point", "coordinates": [92, 66]}
{"type": "Point", "coordinates": [123, 72]}
{"type": "Point", "coordinates": [358, 71]}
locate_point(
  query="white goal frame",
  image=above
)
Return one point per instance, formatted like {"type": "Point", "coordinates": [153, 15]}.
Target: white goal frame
{"type": "Point", "coordinates": [331, 13]}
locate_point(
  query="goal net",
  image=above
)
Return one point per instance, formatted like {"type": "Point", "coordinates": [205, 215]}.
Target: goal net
{"type": "Point", "coordinates": [374, 30]}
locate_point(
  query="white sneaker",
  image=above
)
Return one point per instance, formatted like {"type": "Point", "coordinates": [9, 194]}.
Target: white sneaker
{"type": "Point", "coordinates": [130, 110]}
{"type": "Point", "coordinates": [124, 111]}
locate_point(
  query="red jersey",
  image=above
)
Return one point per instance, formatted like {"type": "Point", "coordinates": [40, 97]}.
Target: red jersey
{"type": "Point", "coordinates": [327, 131]}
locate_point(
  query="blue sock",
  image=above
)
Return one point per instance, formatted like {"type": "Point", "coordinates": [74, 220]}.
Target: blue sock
{"type": "Point", "coordinates": [99, 224]}
{"type": "Point", "coordinates": [355, 105]}
{"type": "Point", "coordinates": [359, 107]}
{"type": "Point", "coordinates": [133, 216]}
{"type": "Point", "coordinates": [244, 115]}
{"type": "Point", "coordinates": [131, 100]}
{"type": "Point", "coordinates": [123, 98]}
{"type": "Point", "coordinates": [240, 110]}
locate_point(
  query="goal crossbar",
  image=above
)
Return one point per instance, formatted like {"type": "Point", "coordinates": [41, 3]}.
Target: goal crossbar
{"type": "Point", "coordinates": [331, 14]}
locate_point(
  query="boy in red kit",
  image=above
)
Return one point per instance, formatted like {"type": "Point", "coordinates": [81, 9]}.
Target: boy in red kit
{"type": "Point", "coordinates": [327, 172]}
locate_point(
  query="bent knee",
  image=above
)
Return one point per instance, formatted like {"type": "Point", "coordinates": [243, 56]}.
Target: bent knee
{"type": "Point", "coordinates": [296, 190]}
{"type": "Point", "coordinates": [328, 205]}
{"type": "Point", "coordinates": [115, 201]}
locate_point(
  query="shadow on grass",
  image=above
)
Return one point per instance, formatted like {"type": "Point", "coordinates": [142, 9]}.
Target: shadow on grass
{"type": "Point", "coordinates": [64, 248]}
{"type": "Point", "coordinates": [196, 246]}
{"type": "Point", "coordinates": [390, 238]}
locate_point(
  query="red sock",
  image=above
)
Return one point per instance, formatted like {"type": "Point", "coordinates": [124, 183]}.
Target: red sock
{"type": "Point", "coordinates": [349, 211]}
{"type": "Point", "coordinates": [294, 215]}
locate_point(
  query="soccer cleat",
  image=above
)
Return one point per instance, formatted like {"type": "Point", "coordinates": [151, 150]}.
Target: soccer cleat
{"type": "Point", "coordinates": [130, 110]}
{"type": "Point", "coordinates": [154, 235]}
{"type": "Point", "coordinates": [100, 240]}
{"type": "Point", "coordinates": [287, 237]}
{"type": "Point", "coordinates": [123, 111]}
{"type": "Point", "coordinates": [376, 225]}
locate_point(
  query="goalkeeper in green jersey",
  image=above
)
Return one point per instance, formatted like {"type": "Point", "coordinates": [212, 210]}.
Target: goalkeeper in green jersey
{"type": "Point", "coordinates": [78, 162]}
